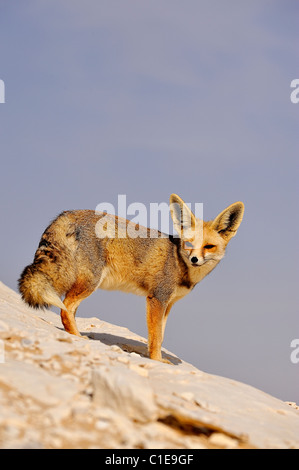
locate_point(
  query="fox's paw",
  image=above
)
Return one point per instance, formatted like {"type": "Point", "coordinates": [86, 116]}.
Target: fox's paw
{"type": "Point", "coordinates": [166, 361]}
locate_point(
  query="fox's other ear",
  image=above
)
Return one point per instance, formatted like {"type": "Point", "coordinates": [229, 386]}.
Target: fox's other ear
{"type": "Point", "coordinates": [228, 221]}
{"type": "Point", "coordinates": [184, 220]}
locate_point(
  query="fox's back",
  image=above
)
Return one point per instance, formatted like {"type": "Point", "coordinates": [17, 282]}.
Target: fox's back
{"type": "Point", "coordinates": [119, 262]}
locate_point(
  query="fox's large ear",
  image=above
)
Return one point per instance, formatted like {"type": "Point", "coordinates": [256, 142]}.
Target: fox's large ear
{"type": "Point", "coordinates": [228, 221]}
{"type": "Point", "coordinates": [184, 220]}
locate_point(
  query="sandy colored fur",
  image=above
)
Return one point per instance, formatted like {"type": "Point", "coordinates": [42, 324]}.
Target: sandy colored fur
{"type": "Point", "coordinates": [72, 260]}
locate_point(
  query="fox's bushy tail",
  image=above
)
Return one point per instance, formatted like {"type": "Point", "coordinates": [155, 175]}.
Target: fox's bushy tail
{"type": "Point", "coordinates": [37, 289]}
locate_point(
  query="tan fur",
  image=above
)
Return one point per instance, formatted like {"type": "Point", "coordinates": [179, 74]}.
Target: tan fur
{"type": "Point", "coordinates": [72, 260]}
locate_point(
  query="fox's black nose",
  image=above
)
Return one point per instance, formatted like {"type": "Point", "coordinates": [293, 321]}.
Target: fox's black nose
{"type": "Point", "coordinates": [194, 259]}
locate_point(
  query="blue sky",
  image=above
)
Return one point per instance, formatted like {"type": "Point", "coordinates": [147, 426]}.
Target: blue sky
{"type": "Point", "coordinates": [147, 98]}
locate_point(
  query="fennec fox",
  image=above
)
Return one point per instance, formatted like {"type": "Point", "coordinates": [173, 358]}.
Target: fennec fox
{"type": "Point", "coordinates": [72, 260]}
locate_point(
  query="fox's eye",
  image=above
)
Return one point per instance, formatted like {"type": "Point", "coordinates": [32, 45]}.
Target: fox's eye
{"type": "Point", "coordinates": [209, 247]}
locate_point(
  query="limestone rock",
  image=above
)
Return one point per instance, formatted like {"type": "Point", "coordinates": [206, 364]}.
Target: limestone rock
{"type": "Point", "coordinates": [125, 392]}
{"type": "Point", "coordinates": [61, 391]}
{"type": "Point", "coordinates": [34, 382]}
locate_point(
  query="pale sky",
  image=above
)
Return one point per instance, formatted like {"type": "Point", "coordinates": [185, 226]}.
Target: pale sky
{"type": "Point", "coordinates": [147, 98]}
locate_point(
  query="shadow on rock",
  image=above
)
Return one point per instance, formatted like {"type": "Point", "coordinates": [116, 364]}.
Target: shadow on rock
{"type": "Point", "coordinates": [129, 345]}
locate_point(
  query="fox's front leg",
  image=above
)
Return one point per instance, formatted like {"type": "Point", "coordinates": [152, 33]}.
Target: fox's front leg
{"type": "Point", "coordinates": [154, 316]}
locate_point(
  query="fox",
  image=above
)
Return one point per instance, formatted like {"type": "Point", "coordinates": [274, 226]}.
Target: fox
{"type": "Point", "coordinates": [73, 259]}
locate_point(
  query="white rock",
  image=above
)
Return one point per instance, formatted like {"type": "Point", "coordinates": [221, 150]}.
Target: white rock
{"type": "Point", "coordinates": [123, 359]}
{"type": "Point", "coordinates": [221, 440]}
{"type": "Point", "coordinates": [33, 382]}
{"type": "Point", "coordinates": [54, 393]}
{"type": "Point", "coordinates": [124, 391]}
{"type": "Point", "coordinates": [101, 424]}
{"type": "Point", "coordinates": [59, 413]}
{"type": "Point", "coordinates": [140, 370]}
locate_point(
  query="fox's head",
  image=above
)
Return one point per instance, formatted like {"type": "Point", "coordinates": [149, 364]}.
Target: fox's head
{"type": "Point", "coordinates": [204, 241]}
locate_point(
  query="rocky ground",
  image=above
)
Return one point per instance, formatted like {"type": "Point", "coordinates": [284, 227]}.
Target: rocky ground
{"type": "Point", "coordinates": [60, 391]}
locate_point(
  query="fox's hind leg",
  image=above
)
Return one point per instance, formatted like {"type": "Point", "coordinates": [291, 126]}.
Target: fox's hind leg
{"type": "Point", "coordinates": [79, 291]}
